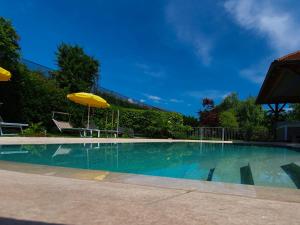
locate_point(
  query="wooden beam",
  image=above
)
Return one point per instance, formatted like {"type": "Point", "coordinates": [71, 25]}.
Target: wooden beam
{"type": "Point", "coordinates": [272, 109]}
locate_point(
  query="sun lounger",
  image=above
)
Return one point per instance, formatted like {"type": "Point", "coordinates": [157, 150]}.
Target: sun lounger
{"type": "Point", "coordinates": [10, 125]}
{"type": "Point", "coordinates": [65, 126]}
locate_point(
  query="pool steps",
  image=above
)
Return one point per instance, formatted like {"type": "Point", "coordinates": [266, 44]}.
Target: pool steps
{"type": "Point", "coordinates": [246, 175]}
{"type": "Point", "coordinates": [210, 174]}
{"type": "Point", "coordinates": [293, 170]}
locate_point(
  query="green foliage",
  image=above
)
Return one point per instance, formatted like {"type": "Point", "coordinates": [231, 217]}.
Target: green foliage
{"type": "Point", "coordinates": [77, 71]}
{"type": "Point", "coordinates": [35, 129]}
{"type": "Point", "coordinates": [9, 57]}
{"type": "Point", "coordinates": [153, 123]}
{"type": "Point", "coordinates": [231, 102]}
{"type": "Point", "coordinates": [40, 97]}
{"type": "Point", "coordinates": [294, 115]}
{"type": "Point", "coordinates": [190, 121]}
{"type": "Point", "coordinates": [250, 118]}
{"type": "Point", "coordinates": [228, 119]}
{"type": "Point", "coordinates": [249, 114]}
{"type": "Point", "coordinates": [9, 46]}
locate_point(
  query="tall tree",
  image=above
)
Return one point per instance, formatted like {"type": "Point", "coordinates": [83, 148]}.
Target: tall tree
{"type": "Point", "coordinates": [10, 92]}
{"type": "Point", "coordinates": [77, 70]}
{"type": "Point", "coordinates": [228, 119]}
{"type": "Point", "coordinates": [209, 115]}
{"type": "Point", "coordinates": [249, 114]}
{"type": "Point", "coordinates": [9, 46]}
{"type": "Point", "coordinates": [230, 102]}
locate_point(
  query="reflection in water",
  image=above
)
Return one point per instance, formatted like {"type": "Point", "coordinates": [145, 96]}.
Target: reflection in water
{"type": "Point", "coordinates": [201, 161]}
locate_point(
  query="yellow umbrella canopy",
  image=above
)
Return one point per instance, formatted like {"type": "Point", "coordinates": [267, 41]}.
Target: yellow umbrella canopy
{"type": "Point", "coordinates": [88, 99]}
{"type": "Point", "coordinates": [4, 75]}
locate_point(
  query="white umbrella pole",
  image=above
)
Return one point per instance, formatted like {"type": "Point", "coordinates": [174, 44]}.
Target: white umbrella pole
{"type": "Point", "coordinates": [88, 124]}
{"type": "Point", "coordinates": [118, 123]}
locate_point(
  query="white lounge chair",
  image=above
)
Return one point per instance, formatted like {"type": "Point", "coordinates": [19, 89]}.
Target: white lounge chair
{"type": "Point", "coordinates": [65, 126]}
{"type": "Point", "coordinates": [10, 125]}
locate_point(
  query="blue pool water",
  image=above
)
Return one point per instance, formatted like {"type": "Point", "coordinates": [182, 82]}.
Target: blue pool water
{"type": "Point", "coordinates": [266, 166]}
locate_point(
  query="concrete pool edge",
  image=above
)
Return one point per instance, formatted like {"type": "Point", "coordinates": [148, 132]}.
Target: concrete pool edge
{"type": "Point", "coordinates": [249, 191]}
{"type": "Point", "coordinates": [71, 140]}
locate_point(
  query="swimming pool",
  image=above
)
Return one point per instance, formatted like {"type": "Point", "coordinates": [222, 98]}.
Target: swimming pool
{"type": "Point", "coordinates": [242, 164]}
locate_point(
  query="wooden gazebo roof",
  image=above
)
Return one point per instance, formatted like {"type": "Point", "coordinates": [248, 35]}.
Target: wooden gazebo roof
{"type": "Point", "coordinates": [282, 82]}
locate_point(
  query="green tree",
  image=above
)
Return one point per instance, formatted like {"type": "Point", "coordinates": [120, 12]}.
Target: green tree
{"type": "Point", "coordinates": [9, 44]}
{"type": "Point", "coordinates": [10, 92]}
{"type": "Point", "coordinates": [231, 102]}
{"type": "Point", "coordinates": [50, 98]}
{"type": "Point", "coordinates": [228, 119]}
{"type": "Point", "coordinates": [250, 114]}
{"type": "Point", "coordinates": [190, 121]}
{"type": "Point", "coordinates": [77, 70]}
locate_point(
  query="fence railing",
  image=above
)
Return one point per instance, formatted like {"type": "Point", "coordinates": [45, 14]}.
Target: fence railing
{"type": "Point", "coordinates": [228, 134]}
{"type": "Point", "coordinates": [46, 71]}
{"type": "Point", "coordinates": [127, 99]}
{"type": "Point", "coordinates": [214, 133]}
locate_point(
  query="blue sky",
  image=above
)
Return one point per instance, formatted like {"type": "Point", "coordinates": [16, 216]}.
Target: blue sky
{"type": "Point", "coordinates": [169, 54]}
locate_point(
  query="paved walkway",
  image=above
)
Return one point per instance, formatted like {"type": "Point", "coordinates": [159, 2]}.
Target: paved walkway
{"type": "Point", "coordinates": [48, 199]}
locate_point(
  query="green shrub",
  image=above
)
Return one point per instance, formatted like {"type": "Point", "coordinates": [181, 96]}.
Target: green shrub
{"type": "Point", "coordinates": [228, 119]}
{"type": "Point", "coordinates": [35, 129]}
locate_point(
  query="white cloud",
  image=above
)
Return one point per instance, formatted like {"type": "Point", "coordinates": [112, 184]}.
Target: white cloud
{"type": "Point", "coordinates": [148, 70]}
{"type": "Point", "coordinates": [271, 21]}
{"type": "Point", "coordinates": [253, 74]}
{"type": "Point", "coordinates": [154, 98]}
{"type": "Point", "coordinates": [213, 94]}
{"type": "Point", "coordinates": [174, 100]}
{"type": "Point", "coordinates": [161, 100]}
{"type": "Point", "coordinates": [185, 30]}
{"type": "Point", "coordinates": [142, 100]}
{"type": "Point", "coordinates": [130, 100]}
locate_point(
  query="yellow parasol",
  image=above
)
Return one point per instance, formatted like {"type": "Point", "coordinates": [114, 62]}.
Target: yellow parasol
{"type": "Point", "coordinates": [88, 99]}
{"type": "Point", "coordinates": [4, 75]}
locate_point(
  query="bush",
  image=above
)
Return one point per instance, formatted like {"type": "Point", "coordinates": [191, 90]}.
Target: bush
{"type": "Point", "coordinates": [35, 129]}
{"type": "Point", "coordinates": [40, 97]}
{"type": "Point", "coordinates": [228, 120]}
{"type": "Point", "coordinates": [153, 123]}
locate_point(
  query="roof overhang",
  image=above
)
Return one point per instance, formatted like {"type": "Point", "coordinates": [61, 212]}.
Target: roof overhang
{"type": "Point", "coordinates": [282, 82]}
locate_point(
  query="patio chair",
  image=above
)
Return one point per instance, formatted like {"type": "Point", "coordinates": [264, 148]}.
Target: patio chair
{"type": "Point", "coordinates": [65, 126]}
{"type": "Point", "coordinates": [11, 126]}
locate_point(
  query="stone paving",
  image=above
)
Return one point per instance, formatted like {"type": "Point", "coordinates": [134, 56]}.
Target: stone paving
{"type": "Point", "coordinates": [35, 194]}
{"type": "Point", "coordinates": [51, 199]}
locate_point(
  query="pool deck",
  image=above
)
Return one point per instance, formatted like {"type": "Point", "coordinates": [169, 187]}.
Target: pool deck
{"type": "Point", "coordinates": [71, 140]}
{"type": "Point", "coordinates": [53, 195]}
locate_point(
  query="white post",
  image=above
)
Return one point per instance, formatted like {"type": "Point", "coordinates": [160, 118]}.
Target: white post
{"type": "Point", "coordinates": [88, 122]}
{"type": "Point", "coordinates": [223, 134]}
{"type": "Point", "coordinates": [201, 133]}
{"type": "Point", "coordinates": [118, 123]}
{"type": "Point", "coordinates": [112, 119]}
